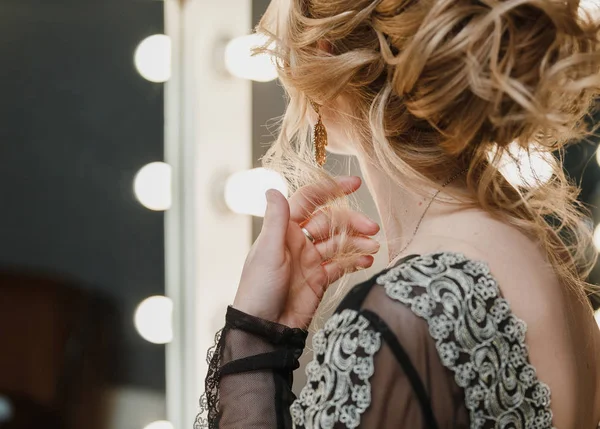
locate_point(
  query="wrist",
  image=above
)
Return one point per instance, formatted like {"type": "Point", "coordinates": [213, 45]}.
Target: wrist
{"type": "Point", "coordinates": [271, 331]}
{"type": "Point", "coordinates": [252, 310]}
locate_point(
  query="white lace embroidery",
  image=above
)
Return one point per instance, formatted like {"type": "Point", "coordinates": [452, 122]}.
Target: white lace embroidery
{"type": "Point", "coordinates": [338, 387]}
{"type": "Point", "coordinates": [477, 337]}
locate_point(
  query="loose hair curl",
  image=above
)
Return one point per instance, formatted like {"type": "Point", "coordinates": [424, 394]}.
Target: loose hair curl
{"type": "Point", "coordinates": [439, 85]}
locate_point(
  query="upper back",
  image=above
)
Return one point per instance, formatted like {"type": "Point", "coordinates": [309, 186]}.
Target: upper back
{"type": "Point", "coordinates": [562, 337]}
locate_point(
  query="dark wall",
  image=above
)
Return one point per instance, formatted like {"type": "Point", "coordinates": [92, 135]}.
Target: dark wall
{"type": "Point", "coordinates": [76, 123]}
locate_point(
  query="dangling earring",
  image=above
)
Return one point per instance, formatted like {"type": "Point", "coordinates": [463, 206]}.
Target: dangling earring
{"type": "Point", "coordinates": [319, 137]}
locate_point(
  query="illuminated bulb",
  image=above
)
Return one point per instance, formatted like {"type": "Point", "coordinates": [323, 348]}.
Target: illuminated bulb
{"type": "Point", "coordinates": [245, 191]}
{"type": "Point", "coordinates": [152, 186]}
{"type": "Point", "coordinates": [597, 238]}
{"type": "Point", "coordinates": [598, 155]}
{"type": "Point", "coordinates": [526, 170]}
{"type": "Point", "coordinates": [154, 319]}
{"type": "Point", "coordinates": [6, 410]}
{"type": "Point", "coordinates": [160, 424]}
{"type": "Point", "coordinates": [152, 58]}
{"type": "Point", "coordinates": [240, 62]}
{"type": "Point", "coordinates": [597, 317]}
{"type": "Point", "coordinates": [590, 6]}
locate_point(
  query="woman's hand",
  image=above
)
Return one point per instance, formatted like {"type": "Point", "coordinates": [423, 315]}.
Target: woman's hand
{"type": "Point", "coordinates": [285, 275]}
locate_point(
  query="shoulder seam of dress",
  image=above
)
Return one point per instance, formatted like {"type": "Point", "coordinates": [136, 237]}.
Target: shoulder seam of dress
{"type": "Point", "coordinates": [476, 335]}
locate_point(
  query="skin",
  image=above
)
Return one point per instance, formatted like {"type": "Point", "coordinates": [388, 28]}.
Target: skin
{"type": "Point", "coordinates": [285, 275]}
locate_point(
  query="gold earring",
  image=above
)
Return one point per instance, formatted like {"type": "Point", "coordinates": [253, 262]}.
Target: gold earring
{"type": "Point", "coordinates": [319, 137]}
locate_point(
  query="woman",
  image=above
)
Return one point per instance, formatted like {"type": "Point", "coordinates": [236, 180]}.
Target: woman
{"type": "Point", "coordinates": [481, 319]}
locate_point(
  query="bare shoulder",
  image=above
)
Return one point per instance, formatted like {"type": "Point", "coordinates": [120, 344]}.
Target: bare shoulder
{"type": "Point", "coordinates": [562, 336]}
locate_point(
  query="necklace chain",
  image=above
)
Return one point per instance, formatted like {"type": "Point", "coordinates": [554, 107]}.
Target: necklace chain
{"type": "Point", "coordinates": [446, 183]}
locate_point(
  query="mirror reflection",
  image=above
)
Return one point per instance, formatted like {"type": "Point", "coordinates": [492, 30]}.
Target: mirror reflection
{"type": "Point", "coordinates": [287, 214]}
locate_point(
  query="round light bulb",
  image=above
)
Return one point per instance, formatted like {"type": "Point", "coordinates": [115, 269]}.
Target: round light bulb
{"type": "Point", "coordinates": [154, 319]}
{"type": "Point", "coordinates": [596, 238]}
{"type": "Point", "coordinates": [152, 186]}
{"type": "Point", "coordinates": [591, 7]}
{"type": "Point", "coordinates": [6, 409]}
{"type": "Point", "coordinates": [240, 62]}
{"type": "Point", "coordinates": [526, 170]}
{"type": "Point", "coordinates": [245, 191]}
{"type": "Point", "coordinates": [152, 58]}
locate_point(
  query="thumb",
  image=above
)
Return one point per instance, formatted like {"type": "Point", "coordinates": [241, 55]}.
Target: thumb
{"type": "Point", "coordinates": [277, 218]}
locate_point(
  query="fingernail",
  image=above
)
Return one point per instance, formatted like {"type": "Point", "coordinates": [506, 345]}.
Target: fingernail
{"type": "Point", "coordinates": [372, 223]}
{"type": "Point", "coordinates": [269, 195]}
{"type": "Point", "coordinates": [365, 261]}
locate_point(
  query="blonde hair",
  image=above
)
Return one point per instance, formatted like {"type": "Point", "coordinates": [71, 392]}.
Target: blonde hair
{"type": "Point", "coordinates": [440, 85]}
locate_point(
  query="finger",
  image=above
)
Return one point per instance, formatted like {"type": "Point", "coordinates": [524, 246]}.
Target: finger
{"type": "Point", "coordinates": [336, 269]}
{"type": "Point", "coordinates": [329, 248]}
{"type": "Point", "coordinates": [319, 225]}
{"type": "Point", "coordinates": [277, 218]}
{"type": "Point", "coordinates": [306, 199]}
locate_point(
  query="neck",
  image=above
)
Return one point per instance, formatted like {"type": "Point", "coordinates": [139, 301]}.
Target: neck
{"type": "Point", "coordinates": [401, 207]}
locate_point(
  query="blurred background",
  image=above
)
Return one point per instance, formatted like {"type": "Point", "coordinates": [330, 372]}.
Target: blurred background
{"type": "Point", "coordinates": [131, 191]}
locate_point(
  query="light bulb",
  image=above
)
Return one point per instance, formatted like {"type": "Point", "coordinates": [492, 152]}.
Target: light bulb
{"type": "Point", "coordinates": [240, 62]}
{"type": "Point", "coordinates": [152, 186]}
{"type": "Point", "coordinates": [245, 191]}
{"type": "Point", "coordinates": [160, 424]}
{"type": "Point", "coordinates": [596, 238]}
{"type": "Point", "coordinates": [523, 169]}
{"type": "Point", "coordinates": [6, 409]}
{"type": "Point", "coordinates": [152, 58]}
{"type": "Point", "coordinates": [592, 7]}
{"type": "Point", "coordinates": [154, 319]}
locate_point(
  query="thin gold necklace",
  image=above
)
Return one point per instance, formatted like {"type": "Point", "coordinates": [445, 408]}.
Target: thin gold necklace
{"type": "Point", "coordinates": [446, 183]}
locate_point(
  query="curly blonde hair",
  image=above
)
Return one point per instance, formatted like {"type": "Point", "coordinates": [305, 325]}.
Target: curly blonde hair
{"type": "Point", "coordinates": [436, 86]}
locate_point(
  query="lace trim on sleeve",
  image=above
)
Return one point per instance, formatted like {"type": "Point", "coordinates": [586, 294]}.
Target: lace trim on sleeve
{"type": "Point", "coordinates": [338, 387]}
{"type": "Point", "coordinates": [477, 338]}
{"type": "Point", "coordinates": [209, 401]}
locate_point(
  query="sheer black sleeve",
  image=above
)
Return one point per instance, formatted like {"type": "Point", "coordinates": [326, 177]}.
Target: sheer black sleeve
{"type": "Point", "coordinates": [428, 344]}
{"type": "Point", "coordinates": [249, 378]}
{"type": "Point", "coordinates": [374, 365]}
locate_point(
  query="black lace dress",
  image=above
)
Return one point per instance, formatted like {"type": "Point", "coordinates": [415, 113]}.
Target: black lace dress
{"type": "Point", "coordinates": [428, 343]}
